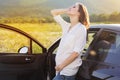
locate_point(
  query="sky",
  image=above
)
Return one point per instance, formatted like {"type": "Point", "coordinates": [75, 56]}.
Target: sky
{"type": "Point", "coordinates": [94, 6]}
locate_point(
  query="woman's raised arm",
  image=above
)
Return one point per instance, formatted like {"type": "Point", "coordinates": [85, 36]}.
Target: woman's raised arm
{"type": "Point", "coordinates": [56, 12]}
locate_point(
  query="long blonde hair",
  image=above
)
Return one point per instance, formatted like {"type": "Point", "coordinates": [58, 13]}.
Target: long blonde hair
{"type": "Point", "coordinates": [84, 16]}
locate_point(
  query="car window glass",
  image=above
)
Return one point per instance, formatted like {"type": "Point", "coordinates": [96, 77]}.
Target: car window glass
{"type": "Point", "coordinates": [89, 40]}
{"type": "Point", "coordinates": [114, 52]}
{"type": "Point", "coordinates": [11, 42]}
{"type": "Point", "coordinates": [104, 54]}
{"type": "Point", "coordinates": [55, 51]}
{"type": "Point", "coordinates": [103, 45]}
{"type": "Point", "coordinates": [36, 49]}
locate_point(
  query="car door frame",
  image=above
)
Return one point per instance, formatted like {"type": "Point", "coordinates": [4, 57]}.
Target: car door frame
{"type": "Point", "coordinates": [44, 50]}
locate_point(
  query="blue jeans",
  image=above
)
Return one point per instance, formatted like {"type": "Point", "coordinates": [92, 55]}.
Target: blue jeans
{"type": "Point", "coordinates": [63, 77]}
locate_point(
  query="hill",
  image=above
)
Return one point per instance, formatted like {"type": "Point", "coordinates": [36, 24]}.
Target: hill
{"type": "Point", "coordinates": [38, 8]}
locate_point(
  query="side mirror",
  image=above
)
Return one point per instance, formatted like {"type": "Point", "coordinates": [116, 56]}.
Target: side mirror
{"type": "Point", "coordinates": [23, 50]}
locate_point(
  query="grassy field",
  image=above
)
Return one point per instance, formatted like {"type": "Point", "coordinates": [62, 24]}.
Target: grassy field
{"type": "Point", "coordinates": [45, 33]}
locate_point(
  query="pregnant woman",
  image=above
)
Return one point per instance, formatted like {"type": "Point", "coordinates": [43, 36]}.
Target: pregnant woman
{"type": "Point", "coordinates": [72, 42]}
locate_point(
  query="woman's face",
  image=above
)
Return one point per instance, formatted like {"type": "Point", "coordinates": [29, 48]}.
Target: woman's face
{"type": "Point", "coordinates": [74, 10]}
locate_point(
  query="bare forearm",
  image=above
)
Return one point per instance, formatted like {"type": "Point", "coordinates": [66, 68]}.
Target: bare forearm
{"type": "Point", "coordinates": [55, 12]}
{"type": "Point", "coordinates": [69, 60]}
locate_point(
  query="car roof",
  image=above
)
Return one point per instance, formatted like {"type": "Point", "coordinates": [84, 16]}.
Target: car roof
{"type": "Point", "coordinates": [107, 26]}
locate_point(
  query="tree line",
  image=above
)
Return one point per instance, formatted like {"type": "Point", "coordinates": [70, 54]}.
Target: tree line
{"type": "Point", "coordinates": [113, 17]}
{"type": "Point", "coordinates": [26, 20]}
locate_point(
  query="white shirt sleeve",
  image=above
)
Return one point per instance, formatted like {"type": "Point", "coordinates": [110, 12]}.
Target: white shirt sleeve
{"type": "Point", "coordinates": [80, 40]}
{"type": "Point", "coordinates": [62, 22]}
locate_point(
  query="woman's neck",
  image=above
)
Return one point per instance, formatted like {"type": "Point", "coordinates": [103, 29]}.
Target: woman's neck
{"type": "Point", "coordinates": [74, 21]}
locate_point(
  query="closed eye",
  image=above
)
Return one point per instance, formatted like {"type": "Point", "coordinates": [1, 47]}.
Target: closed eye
{"type": "Point", "coordinates": [73, 6]}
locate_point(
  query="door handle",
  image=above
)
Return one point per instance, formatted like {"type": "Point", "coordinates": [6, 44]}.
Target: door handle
{"type": "Point", "coordinates": [27, 59]}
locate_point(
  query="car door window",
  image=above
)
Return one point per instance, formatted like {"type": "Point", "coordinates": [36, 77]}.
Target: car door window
{"type": "Point", "coordinates": [36, 49]}
{"type": "Point", "coordinates": [90, 38]}
{"type": "Point", "coordinates": [101, 47]}
{"type": "Point", "coordinates": [104, 54]}
{"type": "Point", "coordinates": [11, 42]}
{"type": "Point", "coordinates": [114, 51]}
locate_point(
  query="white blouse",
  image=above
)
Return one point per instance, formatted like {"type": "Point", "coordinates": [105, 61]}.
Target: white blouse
{"type": "Point", "coordinates": [73, 40]}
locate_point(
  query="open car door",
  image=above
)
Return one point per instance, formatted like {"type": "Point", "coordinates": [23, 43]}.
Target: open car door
{"type": "Point", "coordinates": [17, 63]}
